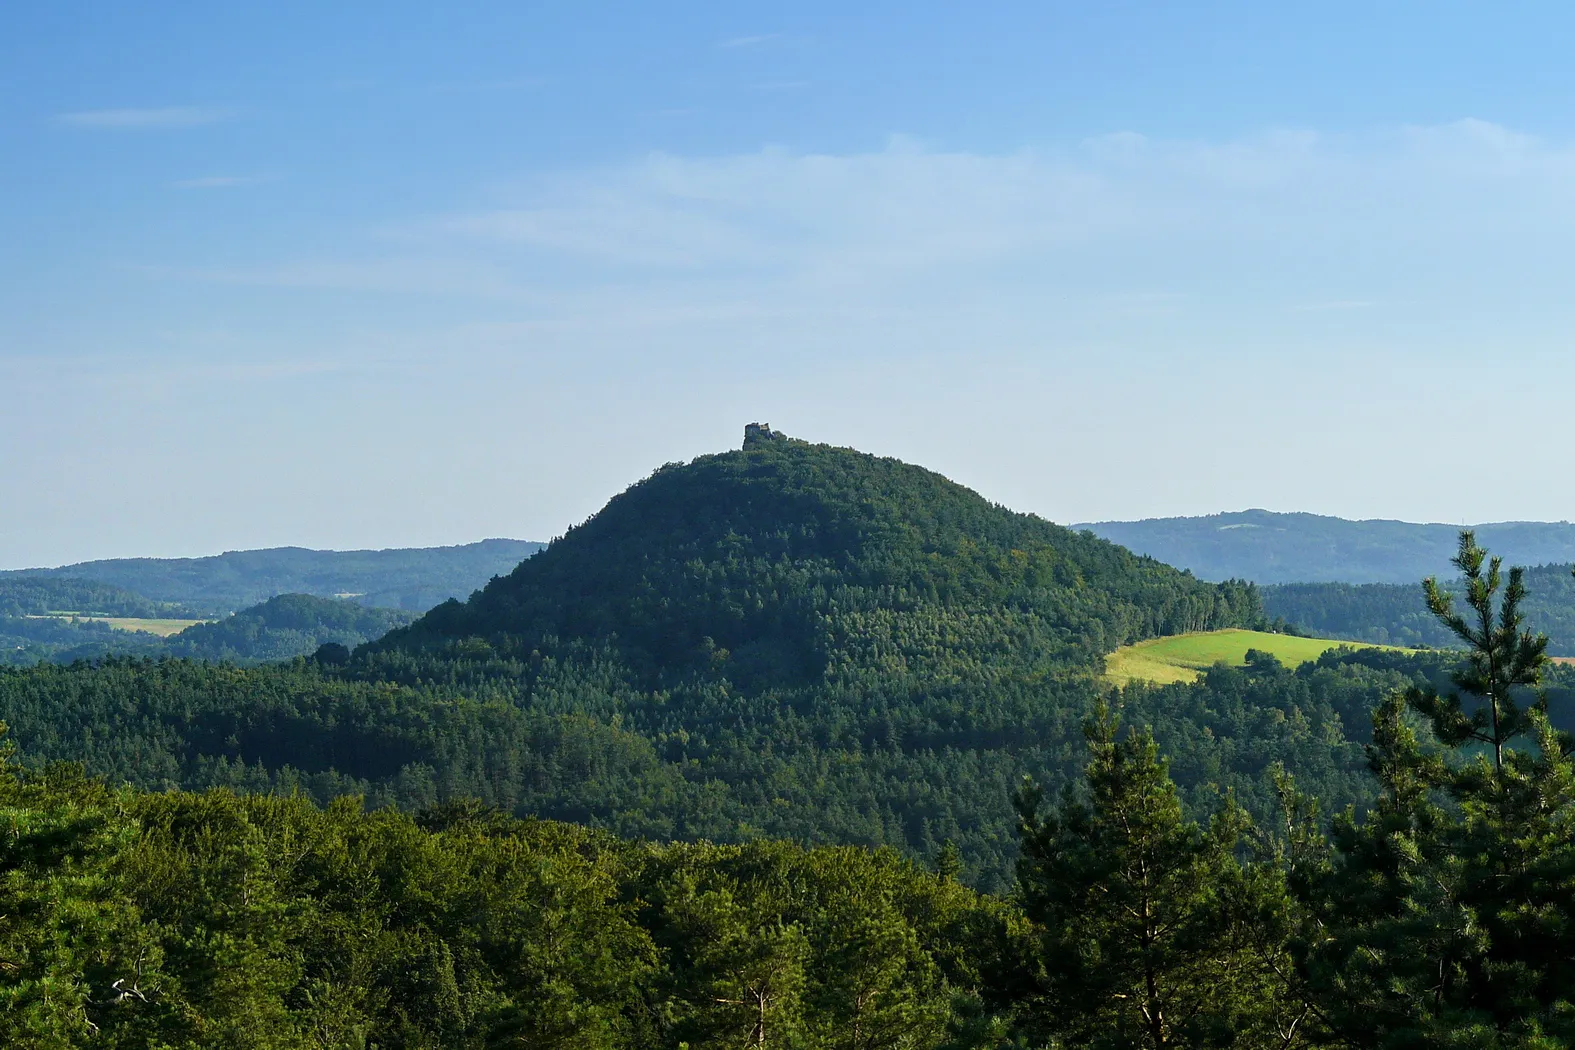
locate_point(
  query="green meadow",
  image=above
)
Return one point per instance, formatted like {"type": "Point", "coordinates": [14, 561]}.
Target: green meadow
{"type": "Point", "coordinates": [1183, 657]}
{"type": "Point", "coordinates": [163, 628]}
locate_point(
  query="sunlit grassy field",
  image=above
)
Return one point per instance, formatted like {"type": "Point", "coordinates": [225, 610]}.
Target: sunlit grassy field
{"type": "Point", "coordinates": [162, 628]}
{"type": "Point", "coordinates": [1182, 657]}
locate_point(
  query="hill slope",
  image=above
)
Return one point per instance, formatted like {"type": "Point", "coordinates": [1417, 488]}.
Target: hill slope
{"type": "Point", "coordinates": [1393, 613]}
{"type": "Point", "coordinates": [283, 627]}
{"type": "Point", "coordinates": [788, 564]}
{"type": "Point", "coordinates": [22, 595]}
{"type": "Point", "coordinates": [1266, 547]}
{"type": "Point", "coordinates": [410, 578]}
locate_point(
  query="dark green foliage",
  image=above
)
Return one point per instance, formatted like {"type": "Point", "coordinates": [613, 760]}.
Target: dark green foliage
{"type": "Point", "coordinates": [1229, 731]}
{"type": "Point", "coordinates": [413, 579]}
{"type": "Point", "coordinates": [794, 641]}
{"type": "Point", "coordinates": [281, 628]}
{"type": "Point", "coordinates": [1501, 658]}
{"type": "Point", "coordinates": [1438, 913]}
{"type": "Point", "coordinates": [1270, 548]}
{"type": "Point", "coordinates": [799, 621]}
{"type": "Point", "coordinates": [172, 723]}
{"type": "Point", "coordinates": [331, 654]}
{"type": "Point", "coordinates": [284, 627]}
{"type": "Point", "coordinates": [1445, 916]}
{"type": "Point", "coordinates": [39, 595]}
{"type": "Point", "coordinates": [912, 777]}
{"type": "Point", "coordinates": [1383, 613]}
{"type": "Point", "coordinates": [27, 640]}
{"type": "Point", "coordinates": [405, 581]}
{"type": "Point", "coordinates": [38, 619]}
{"type": "Point", "coordinates": [789, 565]}
{"type": "Point", "coordinates": [1394, 614]}
{"type": "Point", "coordinates": [153, 920]}
{"type": "Point", "coordinates": [1153, 933]}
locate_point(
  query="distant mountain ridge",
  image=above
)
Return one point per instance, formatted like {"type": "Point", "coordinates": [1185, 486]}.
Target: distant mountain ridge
{"type": "Point", "coordinates": [1267, 547]}
{"type": "Point", "coordinates": [410, 578]}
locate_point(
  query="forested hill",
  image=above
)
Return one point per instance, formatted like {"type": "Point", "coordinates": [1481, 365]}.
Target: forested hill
{"type": "Point", "coordinates": [790, 564]}
{"type": "Point", "coordinates": [1266, 547]}
{"type": "Point", "coordinates": [280, 628]}
{"type": "Point", "coordinates": [409, 578]}
{"type": "Point", "coordinates": [1393, 613]}
{"type": "Point", "coordinates": [283, 627]}
{"type": "Point", "coordinates": [44, 595]}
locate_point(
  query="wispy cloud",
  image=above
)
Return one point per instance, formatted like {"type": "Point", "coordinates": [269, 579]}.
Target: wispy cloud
{"type": "Point", "coordinates": [1296, 222]}
{"type": "Point", "coordinates": [153, 119]}
{"type": "Point", "coordinates": [1332, 306]}
{"type": "Point", "coordinates": [215, 182]}
{"type": "Point", "coordinates": [749, 41]}
{"type": "Point", "coordinates": [402, 273]}
{"type": "Point", "coordinates": [501, 84]}
{"type": "Point", "coordinates": [972, 310]}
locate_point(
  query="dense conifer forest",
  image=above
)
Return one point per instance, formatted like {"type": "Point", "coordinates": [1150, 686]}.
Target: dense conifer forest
{"type": "Point", "coordinates": [280, 628]}
{"type": "Point", "coordinates": [285, 626]}
{"type": "Point", "coordinates": [22, 596]}
{"type": "Point", "coordinates": [1393, 614]}
{"type": "Point", "coordinates": [796, 747]}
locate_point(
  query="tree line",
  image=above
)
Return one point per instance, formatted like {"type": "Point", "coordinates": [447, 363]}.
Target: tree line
{"type": "Point", "coordinates": [1391, 614]}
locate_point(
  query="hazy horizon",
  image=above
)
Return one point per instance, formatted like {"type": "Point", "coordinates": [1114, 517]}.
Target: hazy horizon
{"type": "Point", "coordinates": [375, 277]}
{"type": "Point", "coordinates": [547, 539]}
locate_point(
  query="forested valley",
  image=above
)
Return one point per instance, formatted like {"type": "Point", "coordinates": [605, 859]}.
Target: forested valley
{"type": "Point", "coordinates": [797, 747]}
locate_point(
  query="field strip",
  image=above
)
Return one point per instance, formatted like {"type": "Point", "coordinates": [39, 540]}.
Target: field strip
{"type": "Point", "coordinates": [161, 627]}
{"type": "Point", "coordinates": [1184, 657]}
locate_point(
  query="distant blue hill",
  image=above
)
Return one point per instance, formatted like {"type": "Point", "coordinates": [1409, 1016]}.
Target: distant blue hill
{"type": "Point", "coordinates": [1269, 548]}
{"type": "Point", "coordinates": [414, 579]}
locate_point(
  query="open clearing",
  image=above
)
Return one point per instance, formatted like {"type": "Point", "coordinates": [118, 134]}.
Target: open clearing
{"type": "Point", "coordinates": [1183, 657]}
{"type": "Point", "coordinates": [162, 628]}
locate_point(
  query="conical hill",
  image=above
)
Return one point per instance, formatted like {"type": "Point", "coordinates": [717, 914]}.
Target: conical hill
{"type": "Point", "coordinates": [788, 565]}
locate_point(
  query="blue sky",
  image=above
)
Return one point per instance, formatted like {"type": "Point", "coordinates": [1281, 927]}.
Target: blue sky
{"type": "Point", "coordinates": [395, 274]}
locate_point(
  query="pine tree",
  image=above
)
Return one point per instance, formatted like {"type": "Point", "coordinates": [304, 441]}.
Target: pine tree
{"type": "Point", "coordinates": [1446, 916]}
{"type": "Point", "coordinates": [948, 861]}
{"type": "Point", "coordinates": [1154, 934]}
{"type": "Point", "coordinates": [1500, 656]}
